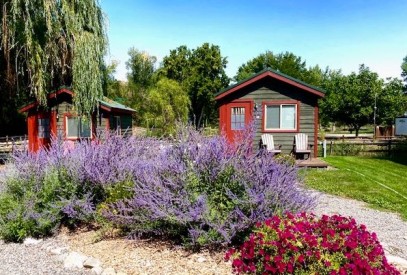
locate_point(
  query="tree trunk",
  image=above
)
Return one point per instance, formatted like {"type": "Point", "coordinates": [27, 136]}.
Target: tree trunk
{"type": "Point", "coordinates": [198, 124]}
{"type": "Point", "coordinates": [357, 128]}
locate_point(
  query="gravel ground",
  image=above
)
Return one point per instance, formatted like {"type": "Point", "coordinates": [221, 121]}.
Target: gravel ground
{"type": "Point", "coordinates": [389, 227]}
{"type": "Point", "coordinates": [20, 259]}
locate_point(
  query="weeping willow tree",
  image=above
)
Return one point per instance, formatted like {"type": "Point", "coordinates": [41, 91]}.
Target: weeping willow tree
{"type": "Point", "coordinates": [46, 44]}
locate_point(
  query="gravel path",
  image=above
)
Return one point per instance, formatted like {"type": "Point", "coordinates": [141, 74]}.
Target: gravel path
{"type": "Point", "coordinates": [23, 259]}
{"type": "Point", "coordinates": [20, 259]}
{"type": "Point", "coordinates": [389, 227]}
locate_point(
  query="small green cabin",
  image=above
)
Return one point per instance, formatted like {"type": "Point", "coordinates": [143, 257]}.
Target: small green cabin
{"type": "Point", "coordinates": [278, 104]}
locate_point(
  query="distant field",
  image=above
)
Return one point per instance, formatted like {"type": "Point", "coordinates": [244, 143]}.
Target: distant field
{"type": "Point", "coordinates": [382, 183]}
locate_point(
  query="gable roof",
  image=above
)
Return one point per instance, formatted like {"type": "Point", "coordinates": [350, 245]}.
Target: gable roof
{"type": "Point", "coordinates": [266, 73]}
{"type": "Point", "coordinates": [110, 105]}
{"type": "Point", "coordinates": [106, 104]}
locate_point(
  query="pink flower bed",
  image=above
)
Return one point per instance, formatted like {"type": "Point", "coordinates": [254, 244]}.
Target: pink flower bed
{"type": "Point", "coordinates": [305, 244]}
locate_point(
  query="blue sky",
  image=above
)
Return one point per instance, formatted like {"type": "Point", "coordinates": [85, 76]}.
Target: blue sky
{"type": "Point", "coordinates": [340, 34]}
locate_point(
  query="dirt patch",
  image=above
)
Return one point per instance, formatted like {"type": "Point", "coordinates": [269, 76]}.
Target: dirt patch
{"type": "Point", "coordinates": [145, 257]}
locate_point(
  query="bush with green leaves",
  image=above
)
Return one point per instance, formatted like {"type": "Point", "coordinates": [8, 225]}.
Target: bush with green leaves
{"type": "Point", "coordinates": [196, 189]}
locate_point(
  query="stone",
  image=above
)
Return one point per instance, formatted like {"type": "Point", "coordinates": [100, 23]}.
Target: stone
{"type": "Point", "coordinates": [32, 241]}
{"type": "Point", "coordinates": [121, 273]}
{"type": "Point", "coordinates": [59, 250]}
{"type": "Point", "coordinates": [74, 260]}
{"type": "Point", "coordinates": [109, 271]}
{"type": "Point", "coordinates": [91, 262]}
{"type": "Point", "coordinates": [201, 260]}
{"type": "Point", "coordinates": [97, 270]}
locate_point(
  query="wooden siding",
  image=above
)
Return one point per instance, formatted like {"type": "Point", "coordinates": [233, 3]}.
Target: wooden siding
{"type": "Point", "coordinates": [272, 90]}
{"type": "Point", "coordinates": [62, 109]}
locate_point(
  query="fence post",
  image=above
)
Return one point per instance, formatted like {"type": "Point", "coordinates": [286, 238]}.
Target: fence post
{"type": "Point", "coordinates": [330, 148]}
{"type": "Point", "coordinates": [389, 147]}
{"type": "Point", "coordinates": [324, 147]}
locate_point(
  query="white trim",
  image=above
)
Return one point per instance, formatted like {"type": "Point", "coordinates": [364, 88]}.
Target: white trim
{"type": "Point", "coordinates": [80, 121]}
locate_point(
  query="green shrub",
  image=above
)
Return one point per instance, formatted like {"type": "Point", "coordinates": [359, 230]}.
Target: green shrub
{"type": "Point", "coordinates": [285, 159]}
{"type": "Point", "coordinates": [30, 208]}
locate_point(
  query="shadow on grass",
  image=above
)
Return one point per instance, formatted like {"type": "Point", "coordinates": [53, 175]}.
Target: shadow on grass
{"type": "Point", "coordinates": [397, 157]}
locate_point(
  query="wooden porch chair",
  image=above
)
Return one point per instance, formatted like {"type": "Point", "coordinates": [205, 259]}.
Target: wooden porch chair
{"type": "Point", "coordinates": [301, 146]}
{"type": "Point", "coordinates": [268, 141]}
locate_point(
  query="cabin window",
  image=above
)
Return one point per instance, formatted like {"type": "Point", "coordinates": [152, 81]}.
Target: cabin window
{"type": "Point", "coordinates": [44, 130]}
{"type": "Point", "coordinates": [77, 127]}
{"type": "Point", "coordinates": [238, 118]}
{"type": "Point", "coordinates": [116, 124]}
{"type": "Point", "coordinates": [280, 116]}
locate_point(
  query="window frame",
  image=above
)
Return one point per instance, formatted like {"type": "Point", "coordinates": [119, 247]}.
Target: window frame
{"type": "Point", "coordinates": [44, 129]}
{"type": "Point", "coordinates": [281, 103]}
{"type": "Point", "coordinates": [68, 116]}
{"type": "Point", "coordinates": [240, 123]}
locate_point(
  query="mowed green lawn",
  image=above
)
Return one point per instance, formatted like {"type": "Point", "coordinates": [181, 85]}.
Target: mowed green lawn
{"type": "Point", "coordinates": [382, 183]}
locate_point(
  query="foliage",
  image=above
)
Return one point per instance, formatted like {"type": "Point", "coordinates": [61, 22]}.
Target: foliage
{"type": "Point", "coordinates": [141, 68]}
{"type": "Point", "coordinates": [287, 63]}
{"type": "Point", "coordinates": [46, 44]}
{"type": "Point", "coordinates": [285, 159]}
{"type": "Point", "coordinates": [391, 102]}
{"type": "Point", "coordinates": [168, 105]}
{"type": "Point", "coordinates": [376, 181]}
{"type": "Point", "coordinates": [197, 189]}
{"type": "Point", "coordinates": [34, 205]}
{"type": "Point", "coordinates": [304, 244]}
{"type": "Point", "coordinates": [404, 72]}
{"type": "Point", "coordinates": [350, 99]}
{"type": "Point", "coordinates": [200, 190]}
{"type": "Point", "coordinates": [201, 72]}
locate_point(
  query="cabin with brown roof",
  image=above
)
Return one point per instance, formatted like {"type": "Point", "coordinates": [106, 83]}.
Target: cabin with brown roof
{"type": "Point", "coordinates": [58, 118]}
{"type": "Point", "coordinates": [277, 103]}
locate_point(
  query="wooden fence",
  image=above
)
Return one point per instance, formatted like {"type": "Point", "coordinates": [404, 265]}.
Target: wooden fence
{"type": "Point", "coordinates": [10, 143]}
{"type": "Point", "coordinates": [363, 147]}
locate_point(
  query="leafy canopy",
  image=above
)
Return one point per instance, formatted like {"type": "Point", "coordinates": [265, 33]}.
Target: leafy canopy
{"type": "Point", "coordinates": [168, 104]}
{"type": "Point", "coordinates": [46, 44]}
{"type": "Point", "coordinates": [404, 71]}
{"type": "Point", "coordinates": [287, 63]}
{"type": "Point", "coordinates": [201, 72]}
{"type": "Point", "coordinates": [351, 99]}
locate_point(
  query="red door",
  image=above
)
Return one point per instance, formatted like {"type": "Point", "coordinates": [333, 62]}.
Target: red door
{"type": "Point", "coordinates": [237, 117]}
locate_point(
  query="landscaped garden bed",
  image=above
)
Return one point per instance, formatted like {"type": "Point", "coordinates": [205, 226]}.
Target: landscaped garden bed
{"type": "Point", "coordinates": [197, 192]}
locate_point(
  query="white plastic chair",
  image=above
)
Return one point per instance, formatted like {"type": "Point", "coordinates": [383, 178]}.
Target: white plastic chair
{"type": "Point", "coordinates": [301, 145]}
{"type": "Point", "coordinates": [268, 141]}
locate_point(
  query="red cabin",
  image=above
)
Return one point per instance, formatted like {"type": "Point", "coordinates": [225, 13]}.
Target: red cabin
{"type": "Point", "coordinates": [58, 118]}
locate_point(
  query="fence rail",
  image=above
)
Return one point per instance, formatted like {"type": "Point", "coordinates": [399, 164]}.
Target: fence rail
{"type": "Point", "coordinates": [10, 143]}
{"type": "Point", "coordinates": [360, 147]}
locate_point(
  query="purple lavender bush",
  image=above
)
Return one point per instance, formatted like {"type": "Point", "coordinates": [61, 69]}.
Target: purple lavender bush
{"type": "Point", "coordinates": [205, 191]}
{"type": "Point", "coordinates": [200, 190]}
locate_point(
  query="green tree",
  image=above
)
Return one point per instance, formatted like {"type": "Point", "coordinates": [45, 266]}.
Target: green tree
{"type": "Point", "coordinates": [391, 102]}
{"type": "Point", "coordinates": [46, 44]}
{"type": "Point", "coordinates": [201, 72]}
{"type": "Point", "coordinates": [141, 77]}
{"type": "Point", "coordinates": [287, 63]}
{"type": "Point", "coordinates": [404, 72]}
{"type": "Point", "coordinates": [351, 99]}
{"type": "Point", "coordinates": [141, 68]}
{"type": "Point", "coordinates": [168, 104]}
